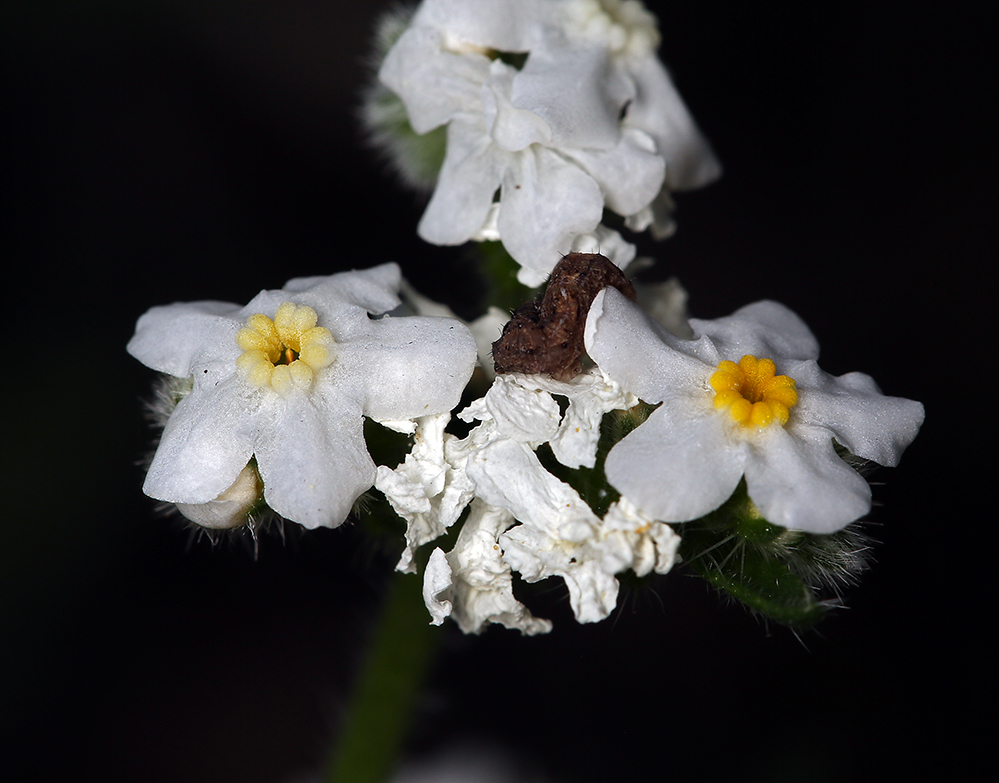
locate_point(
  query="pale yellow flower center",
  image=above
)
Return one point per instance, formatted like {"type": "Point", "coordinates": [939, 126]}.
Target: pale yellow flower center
{"type": "Point", "coordinates": [751, 391]}
{"type": "Point", "coordinates": [284, 353]}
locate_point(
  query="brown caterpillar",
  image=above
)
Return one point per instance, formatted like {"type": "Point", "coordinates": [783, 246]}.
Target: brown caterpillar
{"type": "Point", "coordinates": [547, 336]}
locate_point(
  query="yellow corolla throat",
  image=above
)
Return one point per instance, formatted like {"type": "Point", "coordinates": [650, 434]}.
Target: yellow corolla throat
{"type": "Point", "coordinates": [751, 391]}
{"type": "Point", "coordinates": [284, 353]}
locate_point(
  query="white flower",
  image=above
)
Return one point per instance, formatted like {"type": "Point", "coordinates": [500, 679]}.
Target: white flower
{"type": "Point", "coordinates": [286, 380]}
{"type": "Point", "coordinates": [589, 121]}
{"type": "Point", "coordinates": [559, 534]}
{"type": "Point", "coordinates": [746, 398]}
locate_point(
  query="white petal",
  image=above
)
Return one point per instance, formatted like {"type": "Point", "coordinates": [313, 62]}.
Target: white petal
{"type": "Point", "coordinates": [406, 367]}
{"type": "Point", "coordinates": [606, 242]}
{"type": "Point", "coordinates": [436, 585]}
{"type": "Point", "coordinates": [659, 111]}
{"type": "Point", "coordinates": [508, 474]}
{"type": "Point", "coordinates": [472, 171]}
{"type": "Point", "coordinates": [591, 394]}
{"type": "Point", "coordinates": [482, 583]}
{"type": "Point", "coordinates": [425, 490]}
{"type": "Point", "coordinates": [666, 302]}
{"type": "Point", "coordinates": [487, 329]}
{"type": "Point", "coordinates": [505, 25]}
{"type": "Point", "coordinates": [172, 338]}
{"type": "Point", "coordinates": [579, 95]}
{"type": "Point", "coordinates": [231, 508]}
{"type": "Point", "coordinates": [545, 202]}
{"type": "Point", "coordinates": [375, 289]}
{"type": "Point", "coordinates": [434, 84]}
{"type": "Point", "coordinates": [592, 586]}
{"type": "Point", "coordinates": [521, 409]}
{"type": "Point", "coordinates": [852, 409]}
{"type": "Point", "coordinates": [763, 329]}
{"type": "Point", "coordinates": [313, 459]}
{"type": "Point", "coordinates": [630, 174]}
{"type": "Point", "coordinates": [802, 484]}
{"type": "Point", "coordinates": [207, 441]}
{"type": "Point", "coordinates": [678, 465]}
{"type": "Point", "coordinates": [633, 349]}
{"type": "Point", "coordinates": [511, 129]}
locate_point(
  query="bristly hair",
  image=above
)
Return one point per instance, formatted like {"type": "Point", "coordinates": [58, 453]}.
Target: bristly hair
{"type": "Point", "coordinates": [415, 158]}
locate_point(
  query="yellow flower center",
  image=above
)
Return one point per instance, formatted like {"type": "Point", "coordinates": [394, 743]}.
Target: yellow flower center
{"type": "Point", "coordinates": [284, 353]}
{"type": "Point", "coordinates": [752, 393]}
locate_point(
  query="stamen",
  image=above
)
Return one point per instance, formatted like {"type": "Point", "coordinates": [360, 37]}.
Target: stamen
{"type": "Point", "coordinates": [287, 352]}
{"type": "Point", "coordinates": [752, 392]}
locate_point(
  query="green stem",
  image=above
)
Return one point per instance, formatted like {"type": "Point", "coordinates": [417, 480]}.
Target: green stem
{"type": "Point", "coordinates": [392, 674]}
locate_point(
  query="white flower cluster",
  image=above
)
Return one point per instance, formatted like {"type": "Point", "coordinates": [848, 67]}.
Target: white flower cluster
{"type": "Point", "coordinates": [561, 107]}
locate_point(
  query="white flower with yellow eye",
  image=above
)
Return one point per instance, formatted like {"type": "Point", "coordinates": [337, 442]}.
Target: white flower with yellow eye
{"type": "Point", "coordinates": [744, 399]}
{"type": "Point", "coordinates": [559, 106]}
{"type": "Point", "coordinates": [286, 381]}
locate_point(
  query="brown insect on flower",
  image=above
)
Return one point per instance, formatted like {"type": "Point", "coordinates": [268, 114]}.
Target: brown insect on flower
{"type": "Point", "coordinates": [547, 336]}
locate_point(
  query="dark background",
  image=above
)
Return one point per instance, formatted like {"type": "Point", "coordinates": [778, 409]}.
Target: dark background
{"type": "Point", "coordinates": [176, 150]}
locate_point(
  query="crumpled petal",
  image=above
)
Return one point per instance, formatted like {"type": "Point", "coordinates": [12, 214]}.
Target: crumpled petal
{"type": "Point", "coordinates": [521, 412]}
{"type": "Point", "coordinates": [472, 584]}
{"type": "Point", "coordinates": [591, 394]}
{"type": "Point", "coordinates": [425, 489]}
{"type": "Point", "coordinates": [207, 441]}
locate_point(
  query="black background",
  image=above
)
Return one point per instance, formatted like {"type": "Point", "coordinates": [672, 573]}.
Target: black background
{"type": "Point", "coordinates": [177, 150]}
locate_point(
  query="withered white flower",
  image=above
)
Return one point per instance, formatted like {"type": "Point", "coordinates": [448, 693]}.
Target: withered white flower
{"type": "Point", "coordinates": [744, 399]}
{"type": "Point", "coordinates": [472, 584]}
{"type": "Point", "coordinates": [286, 381]}
{"type": "Point", "coordinates": [560, 106]}
{"type": "Point", "coordinates": [523, 519]}
{"type": "Point", "coordinates": [559, 535]}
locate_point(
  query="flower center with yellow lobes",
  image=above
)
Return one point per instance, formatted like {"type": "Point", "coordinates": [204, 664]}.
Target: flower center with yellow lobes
{"type": "Point", "coordinates": [752, 393]}
{"type": "Point", "coordinates": [284, 353]}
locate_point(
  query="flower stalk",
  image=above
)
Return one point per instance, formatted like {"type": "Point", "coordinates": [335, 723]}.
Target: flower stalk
{"type": "Point", "coordinates": [380, 712]}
